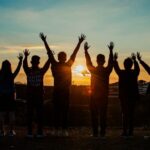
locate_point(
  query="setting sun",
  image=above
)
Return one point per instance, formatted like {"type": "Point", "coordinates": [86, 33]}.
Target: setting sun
{"type": "Point", "coordinates": [79, 69]}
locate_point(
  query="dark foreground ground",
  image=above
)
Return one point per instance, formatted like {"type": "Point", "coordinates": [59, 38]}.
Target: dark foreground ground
{"type": "Point", "coordinates": [79, 139]}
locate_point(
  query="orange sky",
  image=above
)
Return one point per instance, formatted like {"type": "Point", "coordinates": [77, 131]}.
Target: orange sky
{"type": "Point", "coordinates": [126, 23]}
{"type": "Point", "coordinates": [78, 78]}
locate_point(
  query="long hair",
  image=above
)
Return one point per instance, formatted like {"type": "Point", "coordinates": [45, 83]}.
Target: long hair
{"type": "Point", "coordinates": [6, 69]}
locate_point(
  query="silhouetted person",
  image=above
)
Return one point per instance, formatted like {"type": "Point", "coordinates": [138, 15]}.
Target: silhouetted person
{"type": "Point", "coordinates": [128, 91]}
{"type": "Point", "coordinates": [99, 89]}
{"type": "Point", "coordinates": [35, 92]}
{"type": "Point", "coordinates": [147, 106]}
{"type": "Point", "coordinates": [7, 95]}
{"type": "Point", "coordinates": [146, 67]}
{"type": "Point", "coordinates": [61, 71]}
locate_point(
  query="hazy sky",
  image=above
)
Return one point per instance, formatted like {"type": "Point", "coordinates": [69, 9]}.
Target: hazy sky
{"type": "Point", "coordinates": [125, 22]}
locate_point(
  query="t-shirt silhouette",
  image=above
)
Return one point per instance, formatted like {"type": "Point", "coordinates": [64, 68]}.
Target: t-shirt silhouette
{"type": "Point", "coordinates": [99, 76]}
{"type": "Point", "coordinates": [62, 75]}
{"type": "Point", "coordinates": [128, 81]}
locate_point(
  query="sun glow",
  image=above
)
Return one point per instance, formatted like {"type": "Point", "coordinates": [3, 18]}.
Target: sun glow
{"type": "Point", "coordinates": [79, 69]}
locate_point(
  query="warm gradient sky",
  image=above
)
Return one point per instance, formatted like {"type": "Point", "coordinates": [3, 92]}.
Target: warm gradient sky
{"type": "Point", "coordinates": [126, 22]}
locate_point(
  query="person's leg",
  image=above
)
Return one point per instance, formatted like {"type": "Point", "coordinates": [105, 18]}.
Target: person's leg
{"type": "Point", "coordinates": [2, 116]}
{"type": "Point", "coordinates": [11, 120]}
{"type": "Point", "coordinates": [2, 112]}
{"type": "Point", "coordinates": [2, 120]}
{"type": "Point", "coordinates": [124, 111]}
{"type": "Point", "coordinates": [103, 116]}
{"type": "Point", "coordinates": [147, 108]}
{"type": "Point", "coordinates": [94, 117]}
{"type": "Point", "coordinates": [65, 109]}
{"type": "Point", "coordinates": [30, 110]}
{"type": "Point", "coordinates": [11, 112]}
{"type": "Point", "coordinates": [65, 116]}
{"type": "Point", "coordinates": [131, 118]}
{"type": "Point", "coordinates": [57, 109]}
{"type": "Point", "coordinates": [146, 105]}
{"type": "Point", "coordinates": [11, 115]}
{"type": "Point", "coordinates": [57, 114]}
{"type": "Point", "coordinates": [39, 113]}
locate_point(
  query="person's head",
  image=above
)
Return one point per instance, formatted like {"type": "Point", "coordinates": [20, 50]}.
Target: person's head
{"type": "Point", "coordinates": [6, 67]}
{"type": "Point", "coordinates": [128, 63]}
{"type": "Point", "coordinates": [100, 59]}
{"type": "Point", "coordinates": [35, 60]}
{"type": "Point", "coordinates": [62, 56]}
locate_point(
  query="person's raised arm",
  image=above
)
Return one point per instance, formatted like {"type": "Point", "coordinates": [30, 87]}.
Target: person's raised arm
{"type": "Point", "coordinates": [49, 51]}
{"type": "Point", "coordinates": [110, 60]}
{"type": "Point", "coordinates": [25, 61]}
{"type": "Point", "coordinates": [87, 57]}
{"type": "Point", "coordinates": [73, 56]}
{"type": "Point", "coordinates": [115, 62]}
{"type": "Point", "coordinates": [145, 66]}
{"type": "Point", "coordinates": [46, 65]}
{"type": "Point", "coordinates": [136, 65]}
{"type": "Point", "coordinates": [20, 57]}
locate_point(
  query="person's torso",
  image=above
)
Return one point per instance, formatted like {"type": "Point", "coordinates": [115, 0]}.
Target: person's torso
{"type": "Point", "coordinates": [7, 84]}
{"type": "Point", "coordinates": [100, 80]}
{"type": "Point", "coordinates": [128, 84]}
{"type": "Point", "coordinates": [62, 75]}
{"type": "Point", "coordinates": [35, 78]}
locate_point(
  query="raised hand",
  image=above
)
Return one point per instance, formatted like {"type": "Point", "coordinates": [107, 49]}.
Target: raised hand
{"type": "Point", "coordinates": [86, 46]}
{"type": "Point", "coordinates": [133, 56]}
{"type": "Point", "coordinates": [26, 52]}
{"type": "Point", "coordinates": [139, 57]}
{"type": "Point", "coordinates": [42, 36]}
{"type": "Point", "coordinates": [82, 38]}
{"type": "Point", "coordinates": [111, 46]}
{"type": "Point", "coordinates": [115, 56]}
{"type": "Point", "coordinates": [20, 57]}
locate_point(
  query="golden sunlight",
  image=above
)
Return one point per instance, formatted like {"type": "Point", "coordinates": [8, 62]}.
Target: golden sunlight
{"type": "Point", "coordinates": [79, 69]}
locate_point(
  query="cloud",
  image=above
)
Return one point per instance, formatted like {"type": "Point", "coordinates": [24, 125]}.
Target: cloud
{"type": "Point", "coordinates": [17, 48]}
{"type": "Point", "coordinates": [63, 20]}
{"type": "Point", "coordinates": [68, 14]}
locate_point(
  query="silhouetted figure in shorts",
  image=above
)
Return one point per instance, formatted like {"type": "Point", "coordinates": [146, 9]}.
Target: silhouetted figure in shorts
{"type": "Point", "coordinates": [7, 95]}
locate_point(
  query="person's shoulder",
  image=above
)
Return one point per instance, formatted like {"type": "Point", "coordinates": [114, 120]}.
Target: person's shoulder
{"type": "Point", "coordinates": [30, 69]}
{"type": "Point", "coordinates": [122, 72]}
{"type": "Point", "coordinates": [59, 64]}
{"type": "Point", "coordinates": [67, 64]}
{"type": "Point", "coordinates": [55, 64]}
{"type": "Point", "coordinates": [135, 72]}
{"type": "Point", "coordinates": [39, 69]}
{"type": "Point", "coordinates": [94, 69]}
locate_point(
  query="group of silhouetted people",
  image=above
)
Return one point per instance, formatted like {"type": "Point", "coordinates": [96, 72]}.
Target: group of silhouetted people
{"type": "Point", "coordinates": [61, 71]}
